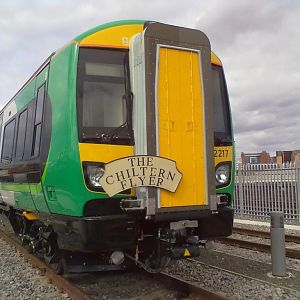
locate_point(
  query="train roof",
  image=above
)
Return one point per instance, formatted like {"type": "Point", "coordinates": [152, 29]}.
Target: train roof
{"type": "Point", "coordinates": [91, 31]}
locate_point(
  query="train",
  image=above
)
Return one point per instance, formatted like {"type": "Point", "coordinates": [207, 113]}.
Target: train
{"type": "Point", "coordinates": [119, 150]}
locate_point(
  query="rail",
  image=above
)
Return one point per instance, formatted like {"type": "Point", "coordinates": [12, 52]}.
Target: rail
{"type": "Point", "coordinates": [292, 252]}
{"type": "Point", "coordinates": [60, 282]}
{"type": "Point", "coordinates": [264, 234]}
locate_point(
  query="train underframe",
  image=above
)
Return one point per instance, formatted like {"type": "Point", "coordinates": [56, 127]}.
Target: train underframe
{"type": "Point", "coordinates": [116, 242]}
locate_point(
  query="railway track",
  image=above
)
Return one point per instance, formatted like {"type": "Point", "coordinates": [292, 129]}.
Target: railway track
{"type": "Point", "coordinates": [291, 251]}
{"type": "Point", "coordinates": [191, 291]}
{"type": "Point", "coordinates": [72, 284]}
{"type": "Point", "coordinates": [60, 282]}
{"type": "Point", "coordinates": [265, 234]}
{"type": "Point", "coordinates": [154, 286]}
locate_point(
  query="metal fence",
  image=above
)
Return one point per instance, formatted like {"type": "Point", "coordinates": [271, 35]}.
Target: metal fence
{"type": "Point", "coordinates": [263, 188]}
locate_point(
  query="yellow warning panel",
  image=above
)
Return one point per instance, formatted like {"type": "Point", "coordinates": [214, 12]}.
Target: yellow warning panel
{"type": "Point", "coordinates": [181, 124]}
{"type": "Point", "coordinates": [29, 215]}
{"type": "Point", "coordinates": [117, 36]}
{"type": "Point", "coordinates": [186, 253]}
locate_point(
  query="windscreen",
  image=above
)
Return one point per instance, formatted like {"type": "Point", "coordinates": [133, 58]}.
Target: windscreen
{"type": "Point", "coordinates": [222, 123]}
{"type": "Point", "coordinates": [102, 104]}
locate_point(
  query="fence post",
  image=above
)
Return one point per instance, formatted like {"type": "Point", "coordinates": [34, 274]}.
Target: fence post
{"type": "Point", "coordinates": [297, 182]}
{"type": "Point", "coordinates": [241, 183]}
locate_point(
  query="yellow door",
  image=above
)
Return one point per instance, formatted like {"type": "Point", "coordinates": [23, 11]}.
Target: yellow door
{"type": "Point", "coordinates": [180, 121]}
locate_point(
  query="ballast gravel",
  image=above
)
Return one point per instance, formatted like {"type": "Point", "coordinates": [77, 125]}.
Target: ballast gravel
{"type": "Point", "coordinates": [229, 285]}
{"type": "Point", "coordinates": [233, 286]}
{"type": "Point", "coordinates": [291, 263]}
{"type": "Point", "coordinates": [256, 255]}
{"type": "Point", "coordinates": [19, 280]}
{"type": "Point", "coordinates": [135, 285]}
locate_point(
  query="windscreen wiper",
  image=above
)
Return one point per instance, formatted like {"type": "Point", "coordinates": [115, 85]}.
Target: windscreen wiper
{"type": "Point", "coordinates": [111, 135]}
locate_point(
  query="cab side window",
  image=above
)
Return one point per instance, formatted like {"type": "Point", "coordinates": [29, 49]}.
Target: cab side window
{"type": "Point", "coordinates": [8, 141]}
{"type": "Point", "coordinates": [38, 121]}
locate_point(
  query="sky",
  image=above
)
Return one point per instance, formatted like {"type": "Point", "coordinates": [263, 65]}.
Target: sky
{"type": "Point", "coordinates": [258, 42]}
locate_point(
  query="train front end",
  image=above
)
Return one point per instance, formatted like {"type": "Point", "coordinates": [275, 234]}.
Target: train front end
{"type": "Point", "coordinates": [149, 119]}
{"type": "Point", "coordinates": [119, 148]}
{"type": "Point", "coordinates": [177, 100]}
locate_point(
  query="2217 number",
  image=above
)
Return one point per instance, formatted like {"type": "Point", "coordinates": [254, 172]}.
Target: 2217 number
{"type": "Point", "coordinates": [221, 153]}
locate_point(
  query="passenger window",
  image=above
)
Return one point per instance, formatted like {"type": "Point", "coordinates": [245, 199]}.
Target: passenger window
{"type": "Point", "coordinates": [8, 141]}
{"type": "Point", "coordinates": [38, 121]}
{"type": "Point", "coordinates": [22, 125]}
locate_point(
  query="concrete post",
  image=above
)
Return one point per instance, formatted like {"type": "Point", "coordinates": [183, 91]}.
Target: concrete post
{"type": "Point", "coordinates": [278, 244]}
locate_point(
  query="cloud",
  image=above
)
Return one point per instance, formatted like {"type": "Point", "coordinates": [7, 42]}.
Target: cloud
{"type": "Point", "coordinates": [32, 31]}
{"type": "Point", "coordinates": [257, 41]}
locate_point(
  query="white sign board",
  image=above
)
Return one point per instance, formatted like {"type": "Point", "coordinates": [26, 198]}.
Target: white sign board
{"type": "Point", "coordinates": [135, 171]}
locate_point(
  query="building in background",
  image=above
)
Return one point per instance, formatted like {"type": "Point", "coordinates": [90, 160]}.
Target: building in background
{"type": "Point", "coordinates": [265, 158]}
{"type": "Point", "coordinates": [287, 156]}
{"type": "Point", "coordinates": [256, 158]}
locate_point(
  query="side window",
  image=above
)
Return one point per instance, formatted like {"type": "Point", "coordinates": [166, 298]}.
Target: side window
{"type": "Point", "coordinates": [8, 141]}
{"type": "Point", "coordinates": [38, 121]}
{"type": "Point", "coordinates": [22, 125]}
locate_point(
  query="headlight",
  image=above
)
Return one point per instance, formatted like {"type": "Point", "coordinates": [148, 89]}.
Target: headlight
{"type": "Point", "coordinates": [95, 173]}
{"type": "Point", "coordinates": [223, 173]}
{"type": "Point", "coordinates": [92, 175]}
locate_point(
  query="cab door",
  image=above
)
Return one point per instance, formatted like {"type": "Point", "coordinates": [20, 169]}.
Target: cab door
{"type": "Point", "coordinates": [171, 83]}
{"type": "Point", "coordinates": [180, 121]}
{"type": "Point", "coordinates": [35, 183]}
